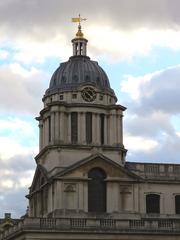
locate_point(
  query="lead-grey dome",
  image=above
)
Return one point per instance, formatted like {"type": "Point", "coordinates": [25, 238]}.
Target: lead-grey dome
{"type": "Point", "coordinates": [77, 72]}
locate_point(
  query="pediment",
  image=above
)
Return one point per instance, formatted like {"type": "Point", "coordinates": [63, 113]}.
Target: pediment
{"type": "Point", "coordinates": [114, 171]}
{"type": "Point", "coordinates": [40, 178]}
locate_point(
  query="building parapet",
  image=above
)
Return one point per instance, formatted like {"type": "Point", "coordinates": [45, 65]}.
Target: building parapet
{"type": "Point", "coordinates": [121, 226]}
{"type": "Point", "coordinates": [155, 170]}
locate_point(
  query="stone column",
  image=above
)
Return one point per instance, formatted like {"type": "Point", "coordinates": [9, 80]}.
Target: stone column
{"type": "Point", "coordinates": [121, 128]}
{"type": "Point", "coordinates": [79, 49]}
{"type": "Point", "coordinates": [111, 129]}
{"type": "Point", "coordinates": [94, 129]}
{"type": "Point", "coordinates": [118, 128]}
{"type": "Point", "coordinates": [40, 135]}
{"type": "Point", "coordinates": [112, 190]}
{"type": "Point", "coordinates": [98, 129]}
{"type": "Point", "coordinates": [52, 126]}
{"type": "Point", "coordinates": [83, 128]}
{"type": "Point", "coordinates": [114, 128]}
{"type": "Point", "coordinates": [80, 194]}
{"type": "Point", "coordinates": [79, 127]}
{"type": "Point", "coordinates": [85, 184]}
{"type": "Point", "coordinates": [69, 127]}
{"type": "Point", "coordinates": [46, 132]}
{"type": "Point", "coordinates": [62, 127]}
{"type": "Point", "coordinates": [105, 130]}
{"type": "Point", "coordinates": [56, 127]}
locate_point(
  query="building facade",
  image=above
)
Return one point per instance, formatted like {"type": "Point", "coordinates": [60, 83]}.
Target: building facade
{"type": "Point", "coordinates": [83, 188]}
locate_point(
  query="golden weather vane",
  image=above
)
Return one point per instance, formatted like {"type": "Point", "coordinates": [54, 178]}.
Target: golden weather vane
{"type": "Point", "coordinates": [79, 19]}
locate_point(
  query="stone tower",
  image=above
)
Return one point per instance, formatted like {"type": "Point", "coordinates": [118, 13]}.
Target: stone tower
{"type": "Point", "coordinates": [80, 120]}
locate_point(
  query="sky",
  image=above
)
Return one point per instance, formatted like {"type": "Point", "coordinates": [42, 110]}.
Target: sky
{"type": "Point", "coordinates": [137, 43]}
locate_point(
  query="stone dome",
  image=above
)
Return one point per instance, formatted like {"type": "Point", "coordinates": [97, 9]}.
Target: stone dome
{"type": "Point", "coordinates": [79, 71]}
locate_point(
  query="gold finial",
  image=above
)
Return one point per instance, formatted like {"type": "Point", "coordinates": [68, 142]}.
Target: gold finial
{"type": "Point", "coordinates": [79, 34]}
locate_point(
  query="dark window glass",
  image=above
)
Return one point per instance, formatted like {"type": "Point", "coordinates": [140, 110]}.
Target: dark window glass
{"type": "Point", "coordinates": [101, 97]}
{"type": "Point", "coordinates": [102, 128]}
{"type": "Point", "coordinates": [152, 203]}
{"type": "Point", "coordinates": [96, 191]}
{"type": "Point", "coordinates": [74, 95]}
{"type": "Point", "coordinates": [177, 204]}
{"type": "Point", "coordinates": [89, 127]}
{"type": "Point", "coordinates": [87, 78]}
{"type": "Point", "coordinates": [75, 79]}
{"type": "Point", "coordinates": [49, 126]}
{"type": "Point", "coordinates": [76, 48]}
{"type": "Point", "coordinates": [63, 80]}
{"type": "Point", "coordinates": [98, 81]}
{"type": "Point", "coordinates": [74, 127]}
{"type": "Point", "coordinates": [61, 97]}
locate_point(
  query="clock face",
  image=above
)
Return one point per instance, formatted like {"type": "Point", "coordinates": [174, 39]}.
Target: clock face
{"type": "Point", "coordinates": [88, 94]}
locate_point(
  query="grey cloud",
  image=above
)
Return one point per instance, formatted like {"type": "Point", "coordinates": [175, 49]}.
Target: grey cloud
{"type": "Point", "coordinates": [148, 125]}
{"type": "Point", "coordinates": [18, 163]}
{"type": "Point", "coordinates": [12, 199]}
{"type": "Point", "coordinates": [13, 202]}
{"type": "Point", "coordinates": [21, 94]}
{"type": "Point", "coordinates": [161, 93]}
{"type": "Point", "coordinates": [166, 152]}
{"type": "Point", "coordinates": [44, 18]}
{"type": "Point", "coordinates": [151, 117]}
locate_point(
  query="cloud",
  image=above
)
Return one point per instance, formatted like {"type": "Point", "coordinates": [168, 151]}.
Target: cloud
{"type": "Point", "coordinates": [122, 29]}
{"type": "Point", "coordinates": [3, 54]}
{"type": "Point", "coordinates": [13, 185]}
{"type": "Point", "coordinates": [17, 137]}
{"type": "Point", "coordinates": [138, 143]}
{"type": "Point", "coordinates": [150, 131]}
{"type": "Point", "coordinates": [158, 91]}
{"type": "Point", "coordinates": [13, 202]}
{"type": "Point", "coordinates": [21, 89]}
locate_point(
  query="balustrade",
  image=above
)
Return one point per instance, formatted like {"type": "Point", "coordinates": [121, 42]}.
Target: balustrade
{"type": "Point", "coordinates": [119, 225]}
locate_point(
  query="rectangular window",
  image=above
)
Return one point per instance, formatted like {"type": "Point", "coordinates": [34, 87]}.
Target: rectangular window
{"type": "Point", "coordinates": [102, 128]}
{"type": "Point", "coordinates": [74, 96]}
{"type": "Point", "coordinates": [74, 127]}
{"type": "Point", "coordinates": [61, 97]}
{"type": "Point", "coordinates": [153, 203]}
{"type": "Point", "coordinates": [177, 204]}
{"type": "Point", "coordinates": [88, 127]}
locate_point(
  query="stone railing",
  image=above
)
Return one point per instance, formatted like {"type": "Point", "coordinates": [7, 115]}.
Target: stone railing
{"type": "Point", "coordinates": [170, 171]}
{"type": "Point", "coordinates": [86, 224]}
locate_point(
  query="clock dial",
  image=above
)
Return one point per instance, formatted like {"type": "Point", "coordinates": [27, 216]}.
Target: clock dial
{"type": "Point", "coordinates": [88, 94]}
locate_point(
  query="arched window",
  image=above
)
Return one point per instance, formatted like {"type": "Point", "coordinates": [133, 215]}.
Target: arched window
{"type": "Point", "coordinates": [152, 203]}
{"type": "Point", "coordinates": [96, 190]}
{"type": "Point", "coordinates": [89, 127]}
{"type": "Point", "coordinates": [177, 204]}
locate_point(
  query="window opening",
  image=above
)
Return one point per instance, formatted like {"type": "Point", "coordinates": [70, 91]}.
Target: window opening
{"type": "Point", "coordinates": [152, 203]}
{"type": "Point", "coordinates": [177, 204]}
{"type": "Point", "coordinates": [89, 127]}
{"type": "Point", "coordinates": [102, 128]}
{"type": "Point", "coordinates": [61, 97]}
{"type": "Point", "coordinates": [96, 190]}
{"type": "Point", "coordinates": [74, 127]}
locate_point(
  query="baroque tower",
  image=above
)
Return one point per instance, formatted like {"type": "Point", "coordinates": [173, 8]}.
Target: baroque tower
{"type": "Point", "coordinates": [80, 120]}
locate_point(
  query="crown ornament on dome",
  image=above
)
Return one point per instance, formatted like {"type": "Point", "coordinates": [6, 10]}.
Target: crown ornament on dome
{"type": "Point", "coordinates": [79, 33]}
